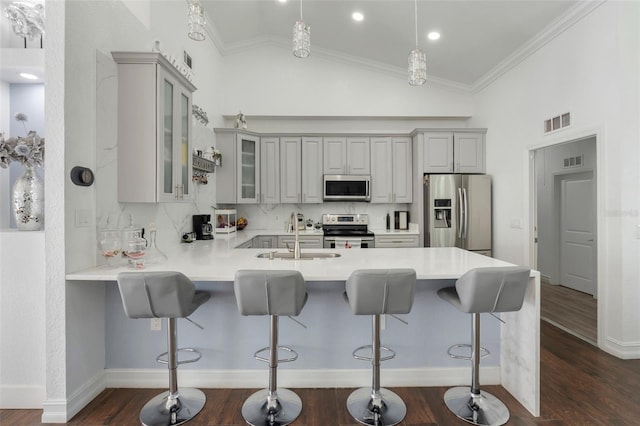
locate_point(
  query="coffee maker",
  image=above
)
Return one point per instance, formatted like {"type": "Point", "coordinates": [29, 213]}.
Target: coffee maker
{"type": "Point", "coordinates": [202, 226]}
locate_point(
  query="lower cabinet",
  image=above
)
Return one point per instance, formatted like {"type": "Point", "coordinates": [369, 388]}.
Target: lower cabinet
{"type": "Point", "coordinates": [264, 241]}
{"type": "Point", "coordinates": [246, 244]}
{"type": "Point", "coordinates": [306, 241]}
{"type": "Point", "coordinates": [386, 241]}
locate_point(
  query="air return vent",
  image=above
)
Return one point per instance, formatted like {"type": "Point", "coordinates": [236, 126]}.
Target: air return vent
{"type": "Point", "coordinates": [558, 122]}
{"type": "Point", "coordinates": [576, 161]}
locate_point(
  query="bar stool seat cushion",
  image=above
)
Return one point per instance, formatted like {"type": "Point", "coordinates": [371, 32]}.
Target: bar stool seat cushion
{"type": "Point", "coordinates": [270, 292]}
{"type": "Point", "coordinates": [495, 289]}
{"type": "Point", "coordinates": [163, 294]}
{"type": "Point", "coordinates": [381, 291]}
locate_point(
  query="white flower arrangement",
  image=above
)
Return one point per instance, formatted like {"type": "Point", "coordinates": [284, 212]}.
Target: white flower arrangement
{"type": "Point", "coordinates": [28, 150]}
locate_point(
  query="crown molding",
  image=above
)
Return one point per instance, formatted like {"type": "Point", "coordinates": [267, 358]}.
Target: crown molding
{"type": "Point", "coordinates": [553, 30]}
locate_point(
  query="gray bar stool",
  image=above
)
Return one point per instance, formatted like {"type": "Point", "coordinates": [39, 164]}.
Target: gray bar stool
{"type": "Point", "coordinates": [167, 295]}
{"type": "Point", "coordinates": [378, 292]}
{"type": "Point", "coordinates": [273, 293]}
{"type": "Point", "coordinates": [483, 290]}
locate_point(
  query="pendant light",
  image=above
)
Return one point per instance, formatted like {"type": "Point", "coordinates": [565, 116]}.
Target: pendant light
{"type": "Point", "coordinates": [301, 37]}
{"type": "Point", "coordinates": [196, 20]}
{"type": "Point", "coordinates": [417, 59]}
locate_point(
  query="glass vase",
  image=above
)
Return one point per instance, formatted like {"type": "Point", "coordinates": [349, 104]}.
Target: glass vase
{"type": "Point", "coordinates": [28, 200]}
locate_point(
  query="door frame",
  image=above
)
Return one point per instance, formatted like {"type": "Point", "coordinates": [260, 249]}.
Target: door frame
{"type": "Point", "coordinates": [531, 218]}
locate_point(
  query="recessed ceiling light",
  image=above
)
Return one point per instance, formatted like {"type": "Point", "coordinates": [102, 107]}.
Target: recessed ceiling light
{"type": "Point", "coordinates": [357, 16]}
{"type": "Point", "coordinates": [28, 76]}
{"type": "Point", "coordinates": [433, 35]}
{"type": "Point", "coordinates": [282, 1]}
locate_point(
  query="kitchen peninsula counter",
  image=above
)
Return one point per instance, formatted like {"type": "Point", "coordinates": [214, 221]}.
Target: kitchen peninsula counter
{"type": "Point", "coordinates": [332, 332]}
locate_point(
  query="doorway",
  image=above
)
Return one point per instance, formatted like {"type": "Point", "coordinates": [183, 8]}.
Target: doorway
{"type": "Point", "coordinates": [565, 235]}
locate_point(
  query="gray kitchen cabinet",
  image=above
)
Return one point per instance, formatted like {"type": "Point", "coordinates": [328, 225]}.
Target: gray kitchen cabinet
{"type": "Point", "coordinates": [391, 170]}
{"type": "Point", "coordinates": [238, 178]}
{"type": "Point", "coordinates": [454, 152]}
{"type": "Point", "coordinates": [306, 241]}
{"type": "Point", "coordinates": [154, 129]}
{"type": "Point", "coordinates": [270, 170]}
{"type": "Point", "coordinates": [395, 240]}
{"type": "Point", "coordinates": [344, 155]}
{"type": "Point", "coordinates": [265, 241]}
{"type": "Point", "coordinates": [312, 170]}
{"type": "Point", "coordinates": [246, 244]}
{"type": "Point", "coordinates": [290, 170]}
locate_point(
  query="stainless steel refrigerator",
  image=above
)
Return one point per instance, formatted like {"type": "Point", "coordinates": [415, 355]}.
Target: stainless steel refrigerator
{"type": "Point", "coordinates": [457, 212]}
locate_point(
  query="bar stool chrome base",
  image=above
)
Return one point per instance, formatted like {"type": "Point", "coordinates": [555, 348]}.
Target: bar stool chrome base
{"type": "Point", "coordinates": [483, 410]}
{"type": "Point", "coordinates": [256, 411]}
{"type": "Point", "coordinates": [159, 411]}
{"type": "Point", "coordinates": [390, 410]}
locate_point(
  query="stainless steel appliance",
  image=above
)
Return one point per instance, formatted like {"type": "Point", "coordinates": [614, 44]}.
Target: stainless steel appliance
{"type": "Point", "coordinates": [347, 187]}
{"type": "Point", "coordinates": [202, 226]}
{"type": "Point", "coordinates": [458, 212]}
{"type": "Point", "coordinates": [342, 229]}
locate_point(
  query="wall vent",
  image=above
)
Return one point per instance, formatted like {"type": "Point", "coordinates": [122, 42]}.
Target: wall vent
{"type": "Point", "coordinates": [187, 59]}
{"type": "Point", "coordinates": [576, 161]}
{"type": "Point", "coordinates": [557, 122]}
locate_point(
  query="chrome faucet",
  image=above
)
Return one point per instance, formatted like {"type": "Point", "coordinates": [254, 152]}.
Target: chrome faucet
{"type": "Point", "coordinates": [296, 245]}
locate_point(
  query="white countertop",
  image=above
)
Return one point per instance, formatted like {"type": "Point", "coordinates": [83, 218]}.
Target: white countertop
{"type": "Point", "coordinates": [218, 260]}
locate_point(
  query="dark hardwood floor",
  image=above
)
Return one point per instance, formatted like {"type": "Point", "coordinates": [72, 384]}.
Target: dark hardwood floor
{"type": "Point", "coordinates": [580, 385]}
{"type": "Point", "coordinates": [571, 310]}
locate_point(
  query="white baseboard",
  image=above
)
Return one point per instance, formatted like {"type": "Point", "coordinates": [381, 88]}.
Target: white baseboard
{"type": "Point", "coordinates": [622, 350]}
{"type": "Point", "coordinates": [157, 378]}
{"type": "Point", "coordinates": [60, 411]}
{"type": "Point", "coordinates": [21, 397]}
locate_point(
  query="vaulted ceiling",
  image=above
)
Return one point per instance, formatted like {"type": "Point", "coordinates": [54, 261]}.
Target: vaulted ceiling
{"type": "Point", "coordinates": [476, 36]}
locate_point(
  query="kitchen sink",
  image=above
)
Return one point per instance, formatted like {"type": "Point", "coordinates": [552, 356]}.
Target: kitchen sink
{"type": "Point", "coordinates": [303, 255]}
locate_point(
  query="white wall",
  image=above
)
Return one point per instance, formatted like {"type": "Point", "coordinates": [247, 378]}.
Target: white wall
{"type": "Point", "coordinates": [593, 71]}
{"type": "Point", "coordinates": [22, 294]}
{"type": "Point", "coordinates": [269, 80]}
{"type": "Point", "coordinates": [4, 174]}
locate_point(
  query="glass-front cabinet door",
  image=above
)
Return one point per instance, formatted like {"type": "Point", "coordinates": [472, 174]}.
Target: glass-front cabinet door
{"type": "Point", "coordinates": [248, 178]}
{"type": "Point", "coordinates": [174, 151]}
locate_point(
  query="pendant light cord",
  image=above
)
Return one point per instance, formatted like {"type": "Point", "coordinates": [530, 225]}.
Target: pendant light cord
{"type": "Point", "coordinates": [301, 11]}
{"type": "Point", "coordinates": [415, 15]}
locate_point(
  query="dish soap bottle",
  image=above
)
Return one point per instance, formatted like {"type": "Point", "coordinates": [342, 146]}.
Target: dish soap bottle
{"type": "Point", "coordinates": [388, 222]}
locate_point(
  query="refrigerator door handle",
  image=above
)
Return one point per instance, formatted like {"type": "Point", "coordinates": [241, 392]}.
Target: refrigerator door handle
{"type": "Point", "coordinates": [460, 208]}
{"type": "Point", "coordinates": [466, 213]}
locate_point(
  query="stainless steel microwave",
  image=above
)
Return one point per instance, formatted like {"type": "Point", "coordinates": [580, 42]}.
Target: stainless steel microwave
{"type": "Point", "coordinates": [347, 187]}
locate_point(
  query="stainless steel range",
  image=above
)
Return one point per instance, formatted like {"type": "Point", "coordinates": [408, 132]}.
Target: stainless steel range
{"type": "Point", "coordinates": [347, 231]}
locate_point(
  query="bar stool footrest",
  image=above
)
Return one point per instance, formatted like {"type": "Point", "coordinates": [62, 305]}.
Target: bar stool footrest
{"type": "Point", "coordinates": [284, 348]}
{"type": "Point", "coordinates": [355, 354]}
{"type": "Point", "coordinates": [484, 352]}
{"type": "Point", "coordinates": [161, 360]}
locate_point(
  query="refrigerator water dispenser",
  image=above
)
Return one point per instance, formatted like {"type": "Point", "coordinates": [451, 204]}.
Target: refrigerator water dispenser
{"type": "Point", "coordinates": [442, 213]}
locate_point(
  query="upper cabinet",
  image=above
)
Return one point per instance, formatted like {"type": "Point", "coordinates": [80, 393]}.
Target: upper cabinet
{"type": "Point", "coordinates": [312, 169]}
{"type": "Point", "coordinates": [270, 170]}
{"type": "Point", "coordinates": [290, 170]}
{"type": "Point", "coordinates": [154, 130]}
{"type": "Point", "coordinates": [238, 178]}
{"type": "Point", "coordinates": [248, 171]}
{"type": "Point", "coordinates": [346, 156]}
{"type": "Point", "coordinates": [391, 170]}
{"type": "Point", "coordinates": [454, 152]}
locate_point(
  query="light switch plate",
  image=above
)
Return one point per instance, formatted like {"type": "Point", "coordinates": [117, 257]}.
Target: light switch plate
{"type": "Point", "coordinates": [83, 218]}
{"type": "Point", "coordinates": [156, 324]}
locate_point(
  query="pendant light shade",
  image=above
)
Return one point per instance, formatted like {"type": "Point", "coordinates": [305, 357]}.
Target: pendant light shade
{"type": "Point", "coordinates": [196, 20]}
{"type": "Point", "coordinates": [417, 67]}
{"type": "Point", "coordinates": [417, 59]}
{"type": "Point", "coordinates": [301, 37]}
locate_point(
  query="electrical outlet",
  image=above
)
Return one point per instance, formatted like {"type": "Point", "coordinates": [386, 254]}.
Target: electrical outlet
{"type": "Point", "coordinates": [383, 322]}
{"type": "Point", "coordinates": [156, 324]}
